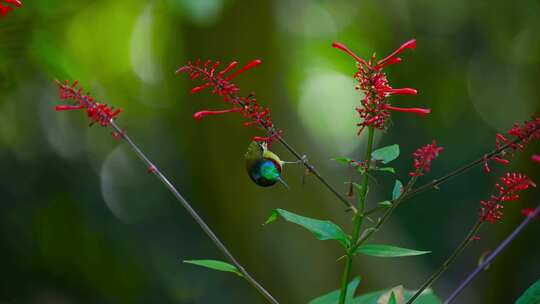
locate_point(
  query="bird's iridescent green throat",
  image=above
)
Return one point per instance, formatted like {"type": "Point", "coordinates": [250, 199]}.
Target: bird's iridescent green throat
{"type": "Point", "coordinates": [263, 166]}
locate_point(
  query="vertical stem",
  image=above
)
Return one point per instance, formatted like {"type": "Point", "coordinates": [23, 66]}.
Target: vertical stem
{"type": "Point", "coordinates": [448, 261]}
{"type": "Point", "coordinates": [215, 239]}
{"type": "Point", "coordinates": [358, 217]}
{"type": "Point", "coordinates": [493, 255]}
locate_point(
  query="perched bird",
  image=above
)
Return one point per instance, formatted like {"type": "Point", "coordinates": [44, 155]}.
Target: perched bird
{"type": "Point", "coordinates": [263, 166]}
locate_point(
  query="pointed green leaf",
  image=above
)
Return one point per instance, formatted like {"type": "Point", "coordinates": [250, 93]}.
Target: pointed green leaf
{"type": "Point", "coordinates": [531, 295]}
{"type": "Point", "coordinates": [398, 186]}
{"type": "Point", "coordinates": [333, 297]}
{"type": "Point", "coordinates": [387, 251]}
{"type": "Point", "coordinates": [427, 296]}
{"type": "Point", "coordinates": [343, 160]}
{"type": "Point", "coordinates": [386, 169]}
{"type": "Point", "coordinates": [386, 154]}
{"type": "Point", "coordinates": [392, 298]}
{"type": "Point", "coordinates": [215, 265]}
{"type": "Point", "coordinates": [385, 204]}
{"type": "Point", "coordinates": [322, 229]}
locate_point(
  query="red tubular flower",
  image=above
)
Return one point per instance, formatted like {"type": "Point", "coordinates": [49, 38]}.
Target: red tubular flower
{"type": "Point", "coordinates": [423, 158]}
{"type": "Point", "coordinates": [535, 158]}
{"type": "Point", "coordinates": [221, 85]}
{"type": "Point", "coordinates": [97, 112]}
{"type": "Point", "coordinates": [4, 8]}
{"type": "Point", "coordinates": [525, 134]}
{"type": "Point", "coordinates": [372, 81]}
{"type": "Point", "coordinates": [509, 187]}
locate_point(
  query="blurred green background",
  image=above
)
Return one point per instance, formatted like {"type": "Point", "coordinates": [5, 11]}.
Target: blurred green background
{"type": "Point", "coordinates": [81, 221]}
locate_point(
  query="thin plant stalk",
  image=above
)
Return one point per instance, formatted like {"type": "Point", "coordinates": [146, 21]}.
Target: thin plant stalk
{"type": "Point", "coordinates": [215, 239]}
{"type": "Point", "coordinates": [466, 241]}
{"type": "Point", "coordinates": [489, 259]}
{"type": "Point", "coordinates": [358, 217]}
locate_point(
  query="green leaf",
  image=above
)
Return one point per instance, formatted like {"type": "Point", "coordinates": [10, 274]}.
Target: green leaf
{"type": "Point", "coordinates": [322, 229]}
{"type": "Point", "coordinates": [398, 186]}
{"type": "Point", "coordinates": [531, 295]}
{"type": "Point", "coordinates": [333, 297]}
{"type": "Point", "coordinates": [342, 160]}
{"type": "Point", "coordinates": [385, 204]}
{"type": "Point", "coordinates": [392, 298]}
{"type": "Point", "coordinates": [386, 154]}
{"type": "Point", "coordinates": [381, 296]}
{"type": "Point", "coordinates": [385, 169]}
{"type": "Point", "coordinates": [387, 251]}
{"type": "Point", "coordinates": [215, 265]}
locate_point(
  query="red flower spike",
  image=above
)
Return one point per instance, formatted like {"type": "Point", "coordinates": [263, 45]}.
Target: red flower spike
{"type": "Point", "coordinates": [97, 112]}
{"type": "Point", "coordinates": [372, 81]}
{"type": "Point", "coordinates": [535, 158]}
{"type": "Point", "coordinates": [423, 158]}
{"type": "Point", "coordinates": [526, 134]}
{"type": "Point", "coordinates": [4, 8]}
{"type": "Point", "coordinates": [222, 86]}
{"type": "Point", "coordinates": [509, 188]}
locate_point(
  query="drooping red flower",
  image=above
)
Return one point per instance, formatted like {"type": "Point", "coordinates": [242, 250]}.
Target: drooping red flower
{"type": "Point", "coordinates": [535, 158]}
{"type": "Point", "coordinates": [523, 134]}
{"type": "Point", "coordinates": [372, 81]}
{"type": "Point", "coordinates": [97, 112]}
{"type": "Point", "coordinates": [221, 85]}
{"type": "Point", "coordinates": [423, 158]}
{"type": "Point", "coordinates": [5, 8]}
{"type": "Point", "coordinates": [509, 188]}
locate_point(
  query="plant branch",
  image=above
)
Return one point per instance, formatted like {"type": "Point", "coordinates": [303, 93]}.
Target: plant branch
{"type": "Point", "coordinates": [466, 241]}
{"type": "Point", "coordinates": [493, 255]}
{"type": "Point", "coordinates": [358, 217]}
{"type": "Point", "coordinates": [215, 239]}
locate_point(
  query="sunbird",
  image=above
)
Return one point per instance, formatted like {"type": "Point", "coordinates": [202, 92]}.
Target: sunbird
{"type": "Point", "coordinates": [263, 166]}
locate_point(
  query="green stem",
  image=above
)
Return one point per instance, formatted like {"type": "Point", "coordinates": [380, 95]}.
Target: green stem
{"type": "Point", "coordinates": [387, 214]}
{"type": "Point", "coordinates": [468, 239]}
{"type": "Point", "coordinates": [358, 217]}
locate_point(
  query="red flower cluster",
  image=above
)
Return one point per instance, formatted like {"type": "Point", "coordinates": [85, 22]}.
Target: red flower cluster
{"type": "Point", "coordinates": [222, 86]}
{"type": "Point", "coordinates": [372, 81]}
{"type": "Point", "coordinates": [509, 187]}
{"type": "Point", "coordinates": [523, 134]}
{"type": "Point", "coordinates": [97, 112]}
{"type": "Point", "coordinates": [423, 158]}
{"type": "Point", "coordinates": [4, 8]}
